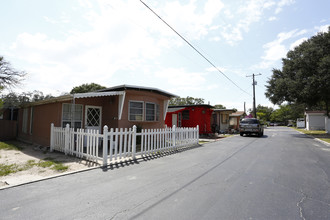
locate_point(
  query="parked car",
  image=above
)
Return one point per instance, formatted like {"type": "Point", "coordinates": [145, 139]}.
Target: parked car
{"type": "Point", "coordinates": [250, 126]}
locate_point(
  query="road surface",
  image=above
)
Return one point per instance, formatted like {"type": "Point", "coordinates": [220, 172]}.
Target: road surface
{"type": "Point", "coordinates": [283, 175]}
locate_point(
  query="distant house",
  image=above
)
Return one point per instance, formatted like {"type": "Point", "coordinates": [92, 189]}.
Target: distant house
{"type": "Point", "coordinates": [9, 114]}
{"type": "Point", "coordinates": [220, 120]}
{"type": "Point", "coordinates": [8, 123]}
{"type": "Point", "coordinates": [315, 120]}
{"type": "Point", "coordinates": [117, 107]}
{"type": "Point", "coordinates": [235, 118]}
{"type": "Point", "coordinates": [190, 116]}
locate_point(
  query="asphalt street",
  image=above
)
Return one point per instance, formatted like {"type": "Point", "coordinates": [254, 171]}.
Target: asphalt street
{"type": "Point", "coordinates": [283, 175]}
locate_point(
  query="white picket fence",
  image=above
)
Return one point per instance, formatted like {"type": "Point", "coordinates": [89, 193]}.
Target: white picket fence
{"type": "Point", "coordinates": [117, 144]}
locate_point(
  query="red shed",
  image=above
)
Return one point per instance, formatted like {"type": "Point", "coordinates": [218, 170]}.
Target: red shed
{"type": "Point", "coordinates": [190, 116]}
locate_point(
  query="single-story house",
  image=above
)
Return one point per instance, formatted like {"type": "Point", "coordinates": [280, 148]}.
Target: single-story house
{"type": "Point", "coordinates": [117, 107]}
{"type": "Point", "coordinates": [8, 114]}
{"type": "Point", "coordinates": [190, 116]}
{"type": "Point", "coordinates": [235, 118]}
{"type": "Point", "coordinates": [315, 120]}
{"type": "Point", "coordinates": [220, 120]}
{"type": "Point", "coordinates": [8, 123]}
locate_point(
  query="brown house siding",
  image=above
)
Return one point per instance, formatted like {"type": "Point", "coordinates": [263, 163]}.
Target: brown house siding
{"type": "Point", "coordinates": [43, 116]}
{"type": "Point", "coordinates": [132, 95]}
{"type": "Point", "coordinates": [46, 113]}
{"type": "Point", "coordinates": [109, 106]}
{"type": "Point", "coordinates": [8, 130]}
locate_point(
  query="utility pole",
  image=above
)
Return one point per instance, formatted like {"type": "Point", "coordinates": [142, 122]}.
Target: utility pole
{"type": "Point", "coordinates": [254, 93]}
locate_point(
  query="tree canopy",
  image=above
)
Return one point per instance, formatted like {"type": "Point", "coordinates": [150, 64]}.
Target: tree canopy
{"type": "Point", "coordinates": [14, 100]}
{"type": "Point", "coordinates": [264, 112]}
{"type": "Point", "coordinates": [287, 112]}
{"type": "Point", "coordinates": [186, 101]}
{"type": "Point", "coordinates": [8, 75]}
{"type": "Point", "coordinates": [219, 106]}
{"type": "Point", "coordinates": [305, 75]}
{"type": "Point", "coordinates": [87, 87]}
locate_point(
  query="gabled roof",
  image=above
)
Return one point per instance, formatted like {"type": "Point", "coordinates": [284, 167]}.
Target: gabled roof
{"type": "Point", "coordinates": [138, 88]}
{"type": "Point", "coordinates": [236, 114]}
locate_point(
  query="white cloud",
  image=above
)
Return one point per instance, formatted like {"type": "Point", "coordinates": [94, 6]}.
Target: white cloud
{"type": "Point", "coordinates": [273, 18]}
{"type": "Point", "coordinates": [238, 20]}
{"type": "Point", "coordinates": [283, 3]}
{"type": "Point", "coordinates": [297, 42]}
{"type": "Point", "coordinates": [323, 28]}
{"type": "Point", "coordinates": [189, 20]}
{"type": "Point", "coordinates": [117, 36]}
{"type": "Point", "coordinates": [178, 77]}
{"type": "Point", "coordinates": [276, 50]}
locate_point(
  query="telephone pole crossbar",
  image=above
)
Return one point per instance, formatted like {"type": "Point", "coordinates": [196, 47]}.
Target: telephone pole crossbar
{"type": "Point", "coordinates": [254, 93]}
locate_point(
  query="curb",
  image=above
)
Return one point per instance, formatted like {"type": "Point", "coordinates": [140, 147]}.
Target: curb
{"type": "Point", "coordinates": [50, 177]}
{"type": "Point", "coordinates": [317, 139]}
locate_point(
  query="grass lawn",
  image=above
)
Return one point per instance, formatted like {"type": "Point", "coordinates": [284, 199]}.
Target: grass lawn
{"type": "Point", "coordinates": [322, 135]}
{"type": "Point", "coordinates": [6, 169]}
{"type": "Point", "coordinates": [9, 146]}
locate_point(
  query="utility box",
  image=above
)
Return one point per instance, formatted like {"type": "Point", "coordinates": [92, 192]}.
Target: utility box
{"type": "Point", "coordinates": [300, 123]}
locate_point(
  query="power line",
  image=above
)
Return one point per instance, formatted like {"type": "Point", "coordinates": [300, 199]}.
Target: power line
{"type": "Point", "coordinates": [194, 47]}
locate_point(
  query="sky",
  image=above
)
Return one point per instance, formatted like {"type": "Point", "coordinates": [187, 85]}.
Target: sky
{"type": "Point", "coordinates": [65, 43]}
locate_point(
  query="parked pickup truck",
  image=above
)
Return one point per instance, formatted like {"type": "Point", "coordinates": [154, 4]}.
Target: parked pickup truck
{"type": "Point", "coordinates": [251, 126]}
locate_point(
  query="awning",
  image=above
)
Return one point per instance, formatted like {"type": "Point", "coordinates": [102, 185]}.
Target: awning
{"type": "Point", "coordinates": [121, 95]}
{"type": "Point", "coordinates": [97, 94]}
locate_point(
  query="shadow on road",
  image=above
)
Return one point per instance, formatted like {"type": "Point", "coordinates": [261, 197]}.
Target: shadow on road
{"type": "Point", "coordinates": [145, 158]}
{"type": "Point", "coordinates": [254, 136]}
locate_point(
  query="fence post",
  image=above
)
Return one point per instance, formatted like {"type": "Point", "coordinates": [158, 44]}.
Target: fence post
{"type": "Point", "coordinates": [105, 145]}
{"type": "Point", "coordinates": [51, 137]}
{"type": "Point", "coordinates": [66, 139]}
{"type": "Point", "coordinates": [197, 134]}
{"type": "Point", "coordinates": [134, 142]}
{"type": "Point", "coordinates": [174, 136]}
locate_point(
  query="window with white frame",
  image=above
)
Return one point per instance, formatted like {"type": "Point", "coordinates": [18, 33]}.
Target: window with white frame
{"type": "Point", "coordinates": [72, 113]}
{"type": "Point", "coordinates": [135, 111]}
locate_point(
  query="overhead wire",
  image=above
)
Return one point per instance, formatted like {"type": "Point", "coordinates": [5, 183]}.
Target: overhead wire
{"type": "Point", "coordinates": [194, 48]}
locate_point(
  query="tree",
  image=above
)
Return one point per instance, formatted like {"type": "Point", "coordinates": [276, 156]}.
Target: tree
{"type": "Point", "coordinates": [282, 114]}
{"type": "Point", "coordinates": [14, 100]}
{"type": "Point", "coordinates": [287, 112]}
{"type": "Point", "coordinates": [91, 87]}
{"type": "Point", "coordinates": [186, 101]}
{"type": "Point", "coordinates": [8, 75]}
{"type": "Point", "coordinates": [305, 75]}
{"type": "Point", "coordinates": [264, 112]}
{"type": "Point", "coordinates": [219, 106]}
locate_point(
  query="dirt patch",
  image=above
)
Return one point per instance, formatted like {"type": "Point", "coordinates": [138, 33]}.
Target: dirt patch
{"type": "Point", "coordinates": [35, 154]}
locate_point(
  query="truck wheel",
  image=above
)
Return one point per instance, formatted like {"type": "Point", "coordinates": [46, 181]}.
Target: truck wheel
{"type": "Point", "coordinates": [241, 134]}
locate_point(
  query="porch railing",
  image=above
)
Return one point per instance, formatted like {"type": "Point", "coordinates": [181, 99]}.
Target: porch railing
{"type": "Point", "coordinates": [116, 144]}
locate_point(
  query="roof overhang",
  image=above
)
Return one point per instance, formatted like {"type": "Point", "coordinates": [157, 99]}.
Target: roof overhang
{"type": "Point", "coordinates": [97, 94]}
{"type": "Point", "coordinates": [138, 88]}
